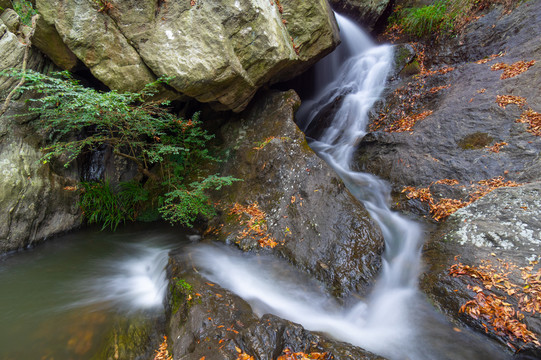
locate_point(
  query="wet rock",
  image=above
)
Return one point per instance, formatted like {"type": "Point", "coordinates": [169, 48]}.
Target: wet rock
{"type": "Point", "coordinates": [453, 142]}
{"type": "Point", "coordinates": [502, 227]}
{"type": "Point", "coordinates": [318, 225]}
{"type": "Point", "coordinates": [209, 321]}
{"type": "Point", "coordinates": [133, 339]}
{"type": "Point", "coordinates": [367, 13]}
{"type": "Point", "coordinates": [213, 51]}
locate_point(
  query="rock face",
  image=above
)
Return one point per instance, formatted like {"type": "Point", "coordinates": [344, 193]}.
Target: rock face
{"type": "Point", "coordinates": [453, 141]}
{"type": "Point", "coordinates": [33, 202]}
{"type": "Point", "coordinates": [502, 230]}
{"type": "Point", "coordinates": [214, 51]}
{"type": "Point", "coordinates": [208, 321]}
{"type": "Point", "coordinates": [365, 12]}
{"type": "Point", "coordinates": [457, 141]}
{"type": "Point", "coordinates": [318, 225]}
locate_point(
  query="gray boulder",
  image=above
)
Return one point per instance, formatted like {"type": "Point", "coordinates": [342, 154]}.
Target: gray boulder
{"type": "Point", "coordinates": [502, 230]}
{"type": "Point", "coordinates": [318, 225]}
{"type": "Point", "coordinates": [214, 51]}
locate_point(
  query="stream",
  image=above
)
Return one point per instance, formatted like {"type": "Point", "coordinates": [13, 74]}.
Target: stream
{"type": "Point", "coordinates": [395, 320]}
{"type": "Point", "coordinates": [61, 299]}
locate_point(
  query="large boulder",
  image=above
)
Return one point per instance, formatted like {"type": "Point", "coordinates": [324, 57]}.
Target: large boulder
{"type": "Point", "coordinates": [35, 201]}
{"type": "Point", "coordinates": [213, 51]}
{"type": "Point", "coordinates": [49, 42]}
{"type": "Point", "coordinates": [316, 222]}
{"type": "Point", "coordinates": [498, 236]}
{"type": "Point", "coordinates": [94, 38]}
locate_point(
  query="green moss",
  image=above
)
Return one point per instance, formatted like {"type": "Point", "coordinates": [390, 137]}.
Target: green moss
{"type": "Point", "coordinates": [305, 147]}
{"type": "Point", "coordinates": [476, 140]}
{"type": "Point", "coordinates": [180, 293]}
{"type": "Point", "coordinates": [411, 69]}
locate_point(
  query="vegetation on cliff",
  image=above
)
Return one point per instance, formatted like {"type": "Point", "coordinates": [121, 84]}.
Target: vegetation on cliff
{"type": "Point", "coordinates": [442, 17]}
{"type": "Point", "coordinates": [165, 148]}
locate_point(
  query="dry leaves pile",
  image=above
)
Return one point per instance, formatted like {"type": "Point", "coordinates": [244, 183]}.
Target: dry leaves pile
{"type": "Point", "coordinates": [441, 71]}
{"type": "Point", "coordinates": [287, 355]}
{"type": "Point", "coordinates": [241, 355]}
{"type": "Point", "coordinates": [533, 119]}
{"type": "Point", "coordinates": [490, 58]}
{"type": "Point", "coordinates": [255, 225]}
{"type": "Point", "coordinates": [406, 123]}
{"type": "Point", "coordinates": [438, 88]}
{"type": "Point", "coordinates": [497, 146]}
{"type": "Point", "coordinates": [162, 353]}
{"type": "Point", "coordinates": [512, 70]}
{"type": "Point", "coordinates": [443, 208]}
{"type": "Point", "coordinates": [495, 310]}
{"type": "Point", "coordinates": [504, 100]}
{"type": "Point", "coordinates": [290, 355]}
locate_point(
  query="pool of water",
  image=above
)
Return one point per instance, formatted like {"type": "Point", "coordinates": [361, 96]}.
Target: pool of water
{"type": "Point", "coordinates": [60, 299]}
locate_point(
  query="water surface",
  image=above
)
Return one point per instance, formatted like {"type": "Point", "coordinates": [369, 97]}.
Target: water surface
{"type": "Point", "coordinates": [60, 299]}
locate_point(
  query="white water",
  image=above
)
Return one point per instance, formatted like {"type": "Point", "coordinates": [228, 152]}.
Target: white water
{"type": "Point", "coordinates": [395, 321]}
{"type": "Point", "coordinates": [133, 280]}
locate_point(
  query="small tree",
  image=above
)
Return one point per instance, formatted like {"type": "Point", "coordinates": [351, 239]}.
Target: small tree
{"type": "Point", "coordinates": [78, 119]}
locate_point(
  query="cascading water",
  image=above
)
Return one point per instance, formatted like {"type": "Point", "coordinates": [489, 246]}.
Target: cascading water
{"type": "Point", "coordinates": [395, 321]}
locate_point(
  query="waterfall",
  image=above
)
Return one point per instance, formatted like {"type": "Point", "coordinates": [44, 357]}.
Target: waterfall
{"type": "Point", "coordinates": [395, 320]}
{"type": "Point", "coordinates": [133, 279]}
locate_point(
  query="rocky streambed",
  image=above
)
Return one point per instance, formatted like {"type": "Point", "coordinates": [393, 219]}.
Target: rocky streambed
{"type": "Point", "coordinates": [291, 204]}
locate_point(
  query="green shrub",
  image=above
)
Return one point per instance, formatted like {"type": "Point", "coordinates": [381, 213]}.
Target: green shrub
{"type": "Point", "coordinates": [428, 19]}
{"type": "Point", "coordinates": [102, 204]}
{"type": "Point", "coordinates": [25, 10]}
{"type": "Point", "coordinates": [166, 149]}
{"type": "Point", "coordinates": [443, 17]}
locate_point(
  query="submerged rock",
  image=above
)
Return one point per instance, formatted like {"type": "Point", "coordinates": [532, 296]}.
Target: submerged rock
{"type": "Point", "coordinates": [134, 338]}
{"type": "Point", "coordinates": [213, 51]}
{"type": "Point", "coordinates": [314, 220]}
{"type": "Point", "coordinates": [36, 201]}
{"type": "Point", "coordinates": [211, 322]}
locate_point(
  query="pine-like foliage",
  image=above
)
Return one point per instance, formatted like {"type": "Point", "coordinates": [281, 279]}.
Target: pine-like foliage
{"type": "Point", "coordinates": [78, 119]}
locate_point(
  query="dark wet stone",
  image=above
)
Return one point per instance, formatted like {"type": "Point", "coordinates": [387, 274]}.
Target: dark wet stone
{"type": "Point", "coordinates": [452, 142]}
{"type": "Point", "coordinates": [212, 322]}
{"type": "Point", "coordinates": [320, 227]}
